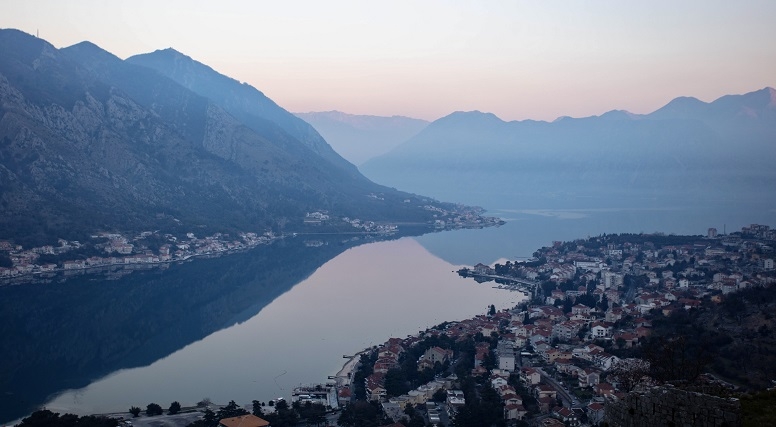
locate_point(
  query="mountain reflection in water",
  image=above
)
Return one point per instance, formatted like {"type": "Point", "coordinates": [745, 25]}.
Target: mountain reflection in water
{"type": "Point", "coordinates": [60, 336]}
{"type": "Point", "coordinates": [172, 335]}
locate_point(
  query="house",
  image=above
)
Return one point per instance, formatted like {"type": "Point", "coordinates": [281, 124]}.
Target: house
{"type": "Point", "coordinates": [481, 268]}
{"type": "Point", "coordinates": [544, 390]}
{"type": "Point", "coordinates": [613, 314]}
{"type": "Point", "coordinates": [545, 403]}
{"type": "Point", "coordinates": [510, 398]}
{"type": "Point", "coordinates": [566, 415]}
{"type": "Point", "coordinates": [432, 356]}
{"type": "Point", "coordinates": [514, 412]}
{"type": "Point", "coordinates": [482, 352]}
{"type": "Point", "coordinates": [551, 355]}
{"type": "Point", "coordinates": [498, 382]}
{"type": "Point", "coordinates": [587, 352]}
{"type": "Point", "coordinates": [628, 339]}
{"type": "Point", "coordinates": [530, 376]}
{"type": "Point", "coordinates": [243, 421]}
{"type": "Point", "coordinates": [604, 390]}
{"type": "Point", "coordinates": [600, 330]}
{"type": "Point", "coordinates": [567, 330]}
{"type": "Point", "coordinates": [581, 309]}
{"type": "Point", "coordinates": [455, 401]}
{"type": "Point", "coordinates": [374, 386]}
{"type": "Point", "coordinates": [595, 412]}
{"type": "Point", "coordinates": [506, 356]}
{"type": "Point", "coordinates": [588, 377]}
{"type": "Point", "coordinates": [605, 361]}
{"type": "Point", "coordinates": [566, 368]}
{"type": "Point", "coordinates": [344, 395]}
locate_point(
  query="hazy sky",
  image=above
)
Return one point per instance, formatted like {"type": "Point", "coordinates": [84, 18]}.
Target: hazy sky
{"type": "Point", "coordinates": [425, 59]}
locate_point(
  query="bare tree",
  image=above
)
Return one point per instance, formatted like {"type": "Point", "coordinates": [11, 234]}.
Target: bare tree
{"type": "Point", "coordinates": [630, 373]}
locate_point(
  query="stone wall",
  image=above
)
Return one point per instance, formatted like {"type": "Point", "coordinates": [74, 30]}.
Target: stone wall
{"type": "Point", "coordinates": [667, 406]}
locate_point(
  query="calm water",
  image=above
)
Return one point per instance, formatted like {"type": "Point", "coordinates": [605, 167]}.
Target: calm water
{"type": "Point", "coordinates": [254, 325]}
{"type": "Point", "coordinates": [357, 299]}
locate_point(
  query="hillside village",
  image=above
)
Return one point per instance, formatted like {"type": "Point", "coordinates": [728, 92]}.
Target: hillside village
{"type": "Point", "coordinates": [559, 358]}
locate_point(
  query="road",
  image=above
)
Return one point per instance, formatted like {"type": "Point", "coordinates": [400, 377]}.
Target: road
{"type": "Point", "coordinates": [568, 400]}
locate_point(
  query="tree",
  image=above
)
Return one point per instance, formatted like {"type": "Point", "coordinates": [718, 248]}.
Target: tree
{"type": "Point", "coordinates": [676, 359]}
{"type": "Point", "coordinates": [231, 410]}
{"type": "Point", "coordinates": [440, 395]}
{"type": "Point", "coordinates": [135, 411]}
{"type": "Point", "coordinates": [154, 409]}
{"type": "Point", "coordinates": [257, 408]}
{"type": "Point", "coordinates": [175, 407]}
{"type": "Point", "coordinates": [283, 415]}
{"type": "Point", "coordinates": [604, 305]}
{"type": "Point", "coordinates": [492, 310]}
{"type": "Point", "coordinates": [629, 373]}
{"type": "Point", "coordinates": [620, 342]}
{"type": "Point", "coordinates": [567, 304]}
{"type": "Point", "coordinates": [396, 382]}
{"type": "Point", "coordinates": [361, 414]}
{"type": "Point", "coordinates": [210, 417]}
{"type": "Point", "coordinates": [314, 413]}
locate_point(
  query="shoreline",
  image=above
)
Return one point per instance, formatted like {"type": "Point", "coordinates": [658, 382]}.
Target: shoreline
{"type": "Point", "coordinates": [344, 376]}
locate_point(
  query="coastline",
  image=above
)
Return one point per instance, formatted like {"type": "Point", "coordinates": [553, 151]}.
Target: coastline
{"type": "Point", "coordinates": [344, 377]}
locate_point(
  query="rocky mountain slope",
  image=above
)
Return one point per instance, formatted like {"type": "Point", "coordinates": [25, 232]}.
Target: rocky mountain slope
{"type": "Point", "coordinates": [91, 142]}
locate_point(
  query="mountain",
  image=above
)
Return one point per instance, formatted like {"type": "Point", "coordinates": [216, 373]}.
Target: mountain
{"type": "Point", "coordinates": [241, 100]}
{"type": "Point", "coordinates": [359, 138]}
{"type": "Point", "coordinates": [91, 143]}
{"type": "Point", "coordinates": [687, 150]}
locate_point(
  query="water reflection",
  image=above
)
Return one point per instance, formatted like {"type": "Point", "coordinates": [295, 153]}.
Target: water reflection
{"type": "Point", "coordinates": [64, 335]}
{"type": "Point", "coordinates": [174, 335]}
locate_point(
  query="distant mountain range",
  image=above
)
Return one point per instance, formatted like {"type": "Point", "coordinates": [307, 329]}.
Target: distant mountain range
{"type": "Point", "coordinates": [159, 141]}
{"type": "Point", "coordinates": [359, 138]}
{"type": "Point", "coordinates": [687, 150]}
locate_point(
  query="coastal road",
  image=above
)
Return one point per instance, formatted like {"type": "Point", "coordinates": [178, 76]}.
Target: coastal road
{"type": "Point", "coordinates": [568, 400]}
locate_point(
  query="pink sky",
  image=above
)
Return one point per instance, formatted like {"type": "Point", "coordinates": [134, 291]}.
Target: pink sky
{"type": "Point", "coordinates": [517, 59]}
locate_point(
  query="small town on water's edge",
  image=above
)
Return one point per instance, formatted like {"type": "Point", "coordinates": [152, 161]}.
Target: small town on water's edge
{"type": "Point", "coordinates": [570, 354]}
{"type": "Point", "coordinates": [117, 254]}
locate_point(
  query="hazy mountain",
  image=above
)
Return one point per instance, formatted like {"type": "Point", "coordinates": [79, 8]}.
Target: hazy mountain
{"type": "Point", "coordinates": [241, 100]}
{"type": "Point", "coordinates": [90, 142]}
{"type": "Point", "coordinates": [687, 149]}
{"type": "Point", "coordinates": [359, 138]}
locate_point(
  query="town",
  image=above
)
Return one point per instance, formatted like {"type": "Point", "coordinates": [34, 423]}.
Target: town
{"type": "Point", "coordinates": [573, 350]}
{"type": "Point", "coordinates": [610, 330]}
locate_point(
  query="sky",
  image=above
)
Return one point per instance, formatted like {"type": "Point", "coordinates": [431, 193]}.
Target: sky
{"type": "Point", "coordinates": [517, 59]}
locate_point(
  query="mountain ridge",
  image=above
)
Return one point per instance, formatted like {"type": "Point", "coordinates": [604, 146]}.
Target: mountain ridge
{"type": "Point", "coordinates": [91, 142]}
{"type": "Point", "coordinates": [243, 101]}
{"type": "Point", "coordinates": [687, 149]}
